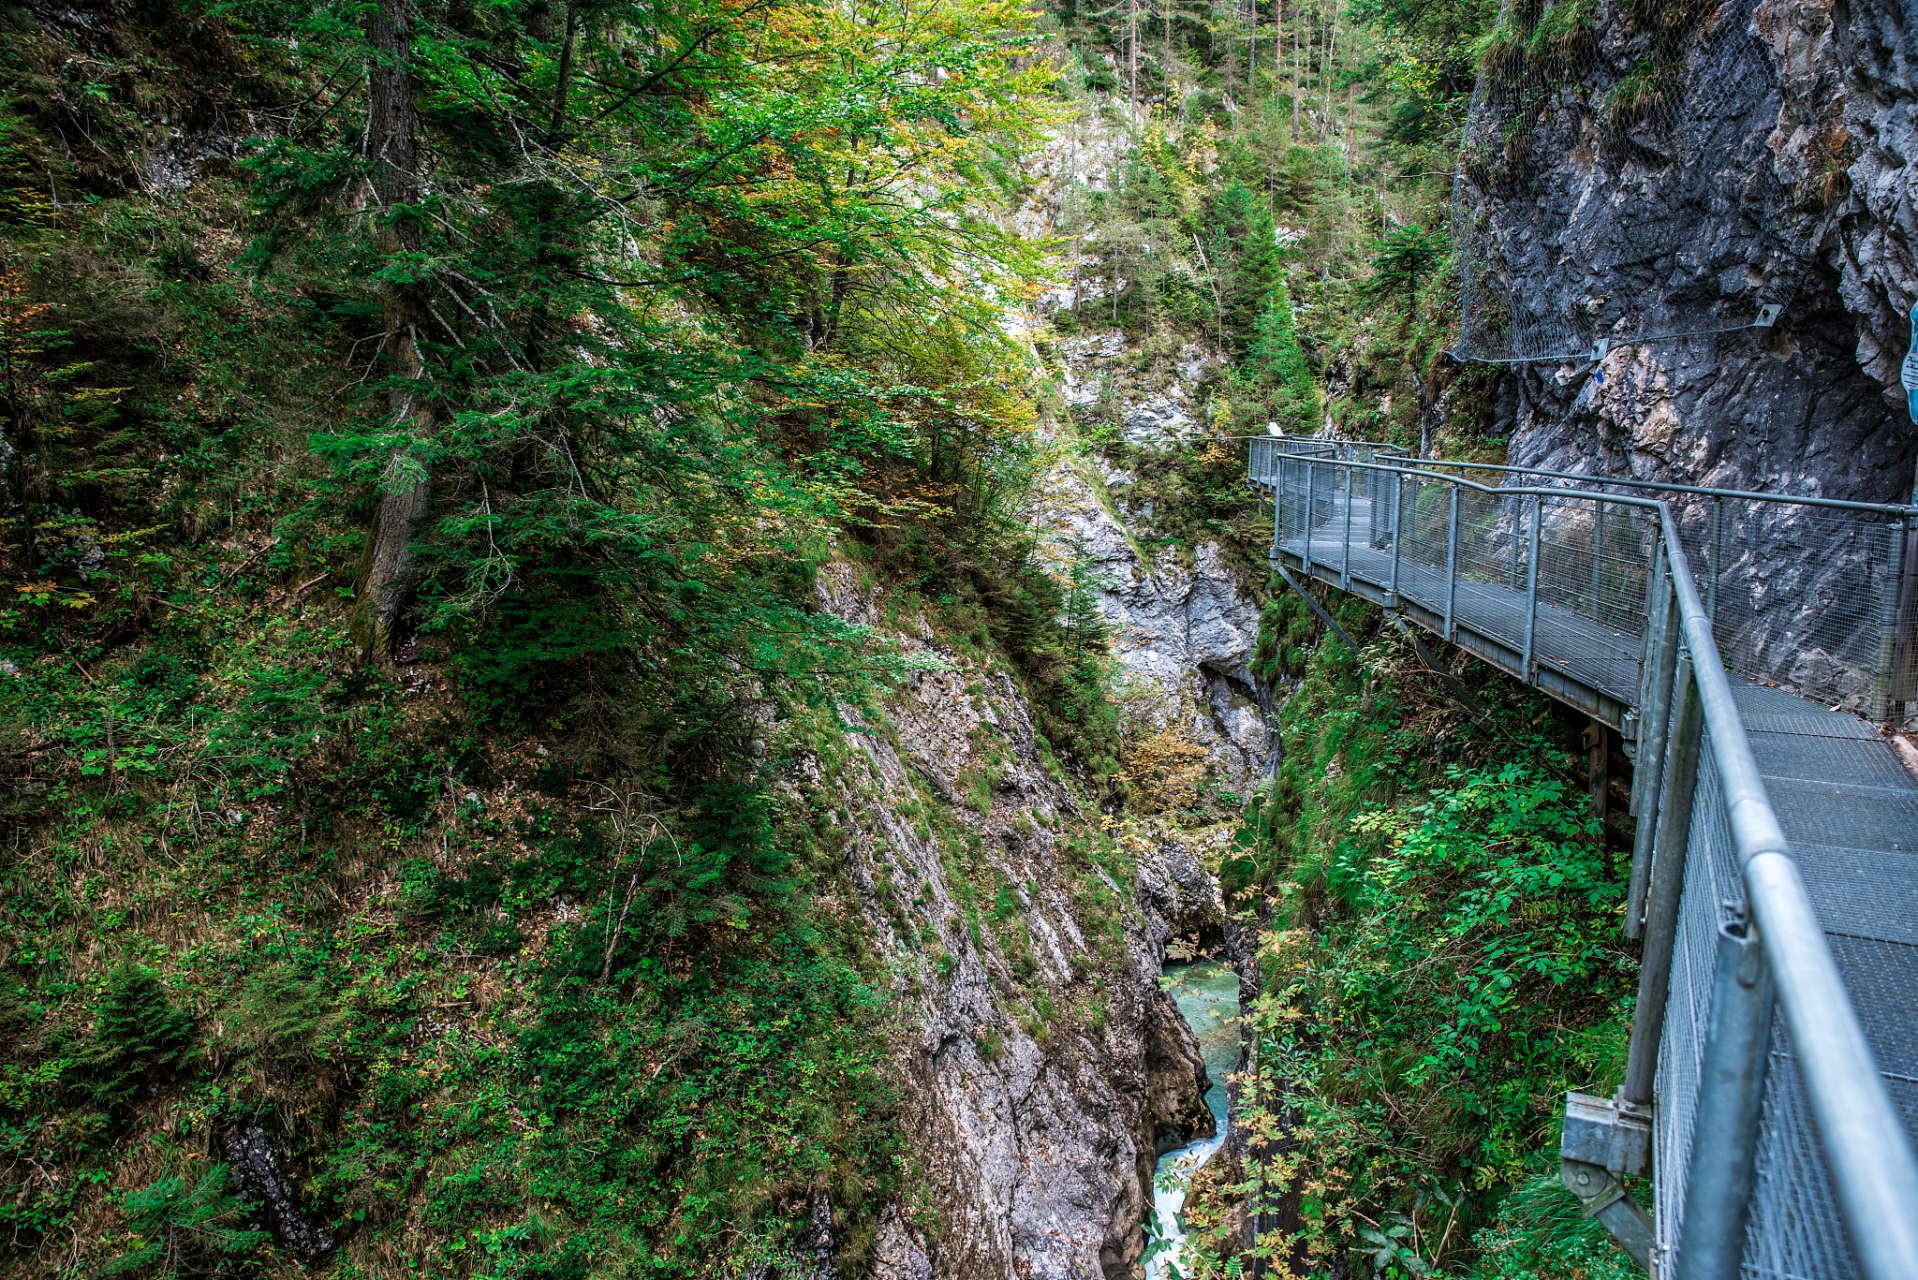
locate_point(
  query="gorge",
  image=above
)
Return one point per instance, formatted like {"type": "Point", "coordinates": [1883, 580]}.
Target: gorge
{"type": "Point", "coordinates": [634, 642]}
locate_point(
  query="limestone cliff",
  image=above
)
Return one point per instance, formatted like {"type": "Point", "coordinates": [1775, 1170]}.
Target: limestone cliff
{"type": "Point", "coordinates": [1041, 1062]}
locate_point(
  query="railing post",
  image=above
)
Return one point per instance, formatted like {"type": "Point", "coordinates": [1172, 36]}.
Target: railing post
{"type": "Point", "coordinates": [1717, 558]}
{"type": "Point", "coordinates": [1531, 586]}
{"type": "Point", "coordinates": [1711, 1242]}
{"type": "Point", "coordinates": [1451, 567]}
{"type": "Point", "coordinates": [1291, 465]}
{"type": "Point", "coordinates": [1345, 549]}
{"type": "Point", "coordinates": [1598, 553]}
{"type": "Point", "coordinates": [1888, 625]}
{"type": "Point", "coordinates": [1398, 530]}
{"type": "Point", "coordinates": [1311, 513]}
{"type": "Point", "coordinates": [1668, 887]}
{"type": "Point", "coordinates": [1278, 518]}
{"type": "Point", "coordinates": [1651, 753]}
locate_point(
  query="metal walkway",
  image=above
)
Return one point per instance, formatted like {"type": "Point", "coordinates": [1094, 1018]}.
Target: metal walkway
{"type": "Point", "coordinates": [1777, 1146]}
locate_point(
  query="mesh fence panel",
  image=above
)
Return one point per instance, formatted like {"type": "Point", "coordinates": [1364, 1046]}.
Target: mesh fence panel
{"type": "Point", "coordinates": [1652, 100]}
{"type": "Point", "coordinates": [1803, 597]}
{"type": "Point", "coordinates": [1711, 879]}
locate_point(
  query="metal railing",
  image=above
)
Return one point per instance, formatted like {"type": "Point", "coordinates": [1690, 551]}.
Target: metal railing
{"type": "Point", "coordinates": [1587, 589]}
{"type": "Point", "coordinates": [1807, 593]}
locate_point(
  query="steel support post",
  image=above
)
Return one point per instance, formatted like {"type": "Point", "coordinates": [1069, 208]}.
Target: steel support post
{"type": "Point", "coordinates": [1652, 755]}
{"type": "Point", "coordinates": [1667, 888]}
{"type": "Point", "coordinates": [1904, 661]}
{"type": "Point", "coordinates": [1345, 548]}
{"type": "Point", "coordinates": [1451, 568]}
{"type": "Point", "coordinates": [1657, 593]}
{"type": "Point", "coordinates": [1888, 625]}
{"type": "Point", "coordinates": [1598, 552]}
{"type": "Point", "coordinates": [1278, 519]}
{"type": "Point", "coordinates": [1317, 608]}
{"type": "Point", "coordinates": [1711, 1241]}
{"type": "Point", "coordinates": [1398, 530]}
{"type": "Point", "coordinates": [1604, 1198]}
{"type": "Point", "coordinates": [1531, 587]}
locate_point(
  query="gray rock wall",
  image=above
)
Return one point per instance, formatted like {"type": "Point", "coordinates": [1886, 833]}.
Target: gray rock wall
{"type": "Point", "coordinates": [1785, 177]}
{"type": "Point", "coordinates": [1738, 206]}
{"type": "Point", "coordinates": [1036, 1135]}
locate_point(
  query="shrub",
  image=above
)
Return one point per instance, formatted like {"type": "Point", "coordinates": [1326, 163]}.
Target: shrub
{"type": "Point", "coordinates": [141, 1039]}
{"type": "Point", "coordinates": [187, 1230]}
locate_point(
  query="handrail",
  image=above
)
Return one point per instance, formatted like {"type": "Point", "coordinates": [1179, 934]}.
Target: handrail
{"type": "Point", "coordinates": [1867, 1149]}
{"type": "Point", "coordinates": [1842, 504]}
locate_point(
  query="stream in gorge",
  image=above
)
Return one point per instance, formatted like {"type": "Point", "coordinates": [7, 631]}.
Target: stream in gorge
{"type": "Point", "coordinates": [1207, 993]}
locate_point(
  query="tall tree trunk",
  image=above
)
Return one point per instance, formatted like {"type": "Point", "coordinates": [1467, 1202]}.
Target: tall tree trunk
{"type": "Point", "coordinates": [1351, 134]}
{"type": "Point", "coordinates": [1278, 44]}
{"type": "Point", "coordinates": [1132, 58]}
{"type": "Point", "coordinates": [1252, 57]}
{"type": "Point", "coordinates": [1298, 39]}
{"type": "Point", "coordinates": [1331, 48]}
{"type": "Point", "coordinates": [406, 487]}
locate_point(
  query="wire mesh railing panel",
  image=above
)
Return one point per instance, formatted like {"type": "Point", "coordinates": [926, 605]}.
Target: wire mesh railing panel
{"type": "Point", "coordinates": [1712, 878]}
{"type": "Point", "coordinates": [1803, 597]}
{"type": "Point", "coordinates": [1795, 1228]}
{"type": "Point", "coordinates": [1427, 523]}
{"type": "Point", "coordinates": [1822, 601]}
{"type": "Point", "coordinates": [1492, 550]}
{"type": "Point", "coordinates": [1595, 559]}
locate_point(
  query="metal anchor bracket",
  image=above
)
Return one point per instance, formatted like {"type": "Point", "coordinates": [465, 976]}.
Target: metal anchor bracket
{"type": "Point", "coordinates": [1604, 1198]}
{"type": "Point", "coordinates": [1608, 1132]}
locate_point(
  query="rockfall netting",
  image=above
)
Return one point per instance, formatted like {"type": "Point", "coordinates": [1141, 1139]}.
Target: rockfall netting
{"type": "Point", "coordinates": [1615, 183]}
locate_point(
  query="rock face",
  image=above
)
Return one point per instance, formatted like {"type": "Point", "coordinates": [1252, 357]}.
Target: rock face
{"type": "Point", "coordinates": [1871, 47]}
{"type": "Point", "coordinates": [1187, 632]}
{"type": "Point", "coordinates": [255, 1172]}
{"type": "Point", "coordinates": [1782, 174]}
{"type": "Point", "coordinates": [1738, 203]}
{"type": "Point", "coordinates": [1042, 1063]}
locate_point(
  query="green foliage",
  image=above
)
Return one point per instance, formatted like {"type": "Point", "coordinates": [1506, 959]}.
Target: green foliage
{"type": "Point", "coordinates": [1541, 1232]}
{"type": "Point", "coordinates": [140, 1040]}
{"type": "Point", "coordinates": [702, 297]}
{"type": "Point", "coordinates": [1274, 357]}
{"type": "Point", "coordinates": [703, 1103]}
{"type": "Point", "coordinates": [188, 1228]}
{"type": "Point", "coordinates": [1443, 960]}
{"type": "Point", "coordinates": [1404, 259]}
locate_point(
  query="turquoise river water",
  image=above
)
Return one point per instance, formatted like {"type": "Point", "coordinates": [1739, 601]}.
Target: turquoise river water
{"type": "Point", "coordinates": [1207, 993]}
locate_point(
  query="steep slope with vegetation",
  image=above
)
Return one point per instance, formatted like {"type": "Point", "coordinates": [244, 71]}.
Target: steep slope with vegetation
{"type": "Point", "coordinates": [426, 727]}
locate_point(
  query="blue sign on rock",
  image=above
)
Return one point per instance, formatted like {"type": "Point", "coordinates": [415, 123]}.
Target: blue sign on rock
{"type": "Point", "coordinates": [1909, 374]}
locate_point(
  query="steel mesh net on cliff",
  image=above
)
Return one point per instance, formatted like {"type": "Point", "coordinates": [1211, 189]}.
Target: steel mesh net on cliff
{"type": "Point", "coordinates": [1615, 181]}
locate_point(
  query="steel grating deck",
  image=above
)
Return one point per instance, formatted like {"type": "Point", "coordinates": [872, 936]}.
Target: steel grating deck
{"type": "Point", "coordinates": [1850, 811]}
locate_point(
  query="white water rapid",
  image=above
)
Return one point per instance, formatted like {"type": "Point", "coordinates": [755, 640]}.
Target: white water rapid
{"type": "Point", "coordinates": [1208, 996]}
